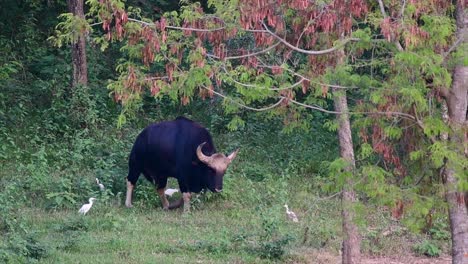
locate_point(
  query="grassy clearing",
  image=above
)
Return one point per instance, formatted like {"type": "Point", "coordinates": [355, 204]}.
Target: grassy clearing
{"type": "Point", "coordinates": [216, 231]}
{"type": "Point", "coordinates": [40, 198]}
{"type": "Point", "coordinates": [220, 229]}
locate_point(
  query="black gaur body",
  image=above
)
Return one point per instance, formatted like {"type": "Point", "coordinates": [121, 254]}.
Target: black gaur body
{"type": "Point", "coordinates": [182, 149]}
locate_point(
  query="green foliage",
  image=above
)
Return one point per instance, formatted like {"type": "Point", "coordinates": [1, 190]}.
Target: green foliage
{"type": "Point", "coordinates": [236, 123]}
{"type": "Point", "coordinates": [56, 141]}
{"type": "Point", "coordinates": [69, 30]}
{"type": "Point", "coordinates": [428, 249]}
{"type": "Point", "coordinates": [440, 230]}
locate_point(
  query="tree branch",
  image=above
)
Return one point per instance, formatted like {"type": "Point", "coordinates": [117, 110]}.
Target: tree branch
{"type": "Point", "coordinates": [404, 115]}
{"type": "Point", "coordinates": [174, 27]}
{"type": "Point", "coordinates": [305, 78]}
{"type": "Point", "coordinates": [452, 48]}
{"type": "Point", "coordinates": [382, 8]}
{"type": "Point", "coordinates": [309, 52]}
{"type": "Point", "coordinates": [259, 87]}
{"type": "Point", "coordinates": [245, 55]}
{"type": "Point", "coordinates": [245, 106]}
{"type": "Point", "coordinates": [384, 14]}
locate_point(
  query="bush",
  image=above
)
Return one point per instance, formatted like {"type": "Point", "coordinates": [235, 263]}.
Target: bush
{"type": "Point", "coordinates": [427, 248]}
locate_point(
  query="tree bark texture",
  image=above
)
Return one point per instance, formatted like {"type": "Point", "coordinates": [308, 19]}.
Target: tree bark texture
{"type": "Point", "coordinates": [80, 66]}
{"type": "Point", "coordinates": [457, 100]}
{"type": "Point", "coordinates": [351, 248]}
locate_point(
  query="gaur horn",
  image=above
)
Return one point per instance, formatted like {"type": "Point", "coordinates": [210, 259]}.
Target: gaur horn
{"type": "Point", "coordinates": [202, 157]}
{"type": "Point", "coordinates": [232, 156]}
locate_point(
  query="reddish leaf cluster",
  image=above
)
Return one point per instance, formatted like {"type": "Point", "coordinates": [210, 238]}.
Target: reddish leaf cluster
{"type": "Point", "coordinates": [425, 7]}
{"type": "Point", "coordinates": [151, 44]}
{"type": "Point", "coordinates": [113, 19]}
{"type": "Point", "coordinates": [305, 85]}
{"type": "Point", "coordinates": [155, 87]}
{"type": "Point", "coordinates": [398, 209]}
{"type": "Point", "coordinates": [276, 70]}
{"type": "Point", "coordinates": [416, 34]}
{"type": "Point", "coordinates": [389, 28]}
{"type": "Point", "coordinates": [308, 19]}
{"type": "Point", "coordinates": [131, 82]}
{"type": "Point", "coordinates": [384, 148]}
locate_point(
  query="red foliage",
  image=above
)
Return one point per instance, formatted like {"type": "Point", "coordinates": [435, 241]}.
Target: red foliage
{"type": "Point", "coordinates": [155, 88]}
{"type": "Point", "coordinates": [310, 23]}
{"type": "Point", "coordinates": [276, 70]}
{"type": "Point", "coordinates": [389, 29]}
{"type": "Point", "coordinates": [398, 209]}
{"type": "Point", "coordinates": [416, 35]}
{"type": "Point", "coordinates": [305, 85]}
{"type": "Point", "coordinates": [384, 148]}
{"type": "Point", "coordinates": [170, 70]}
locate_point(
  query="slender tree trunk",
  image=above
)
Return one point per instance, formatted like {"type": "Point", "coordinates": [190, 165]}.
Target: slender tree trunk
{"type": "Point", "coordinates": [80, 66]}
{"type": "Point", "coordinates": [457, 100]}
{"type": "Point", "coordinates": [351, 248]}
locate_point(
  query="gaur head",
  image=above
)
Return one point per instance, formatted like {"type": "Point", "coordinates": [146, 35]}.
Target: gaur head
{"type": "Point", "coordinates": [218, 164]}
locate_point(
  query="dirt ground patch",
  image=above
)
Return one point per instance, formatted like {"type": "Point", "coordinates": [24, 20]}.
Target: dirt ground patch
{"type": "Point", "coordinates": [324, 257]}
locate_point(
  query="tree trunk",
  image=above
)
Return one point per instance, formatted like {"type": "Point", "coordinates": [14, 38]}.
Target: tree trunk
{"type": "Point", "coordinates": [351, 248]}
{"type": "Point", "coordinates": [80, 67]}
{"type": "Point", "coordinates": [457, 98]}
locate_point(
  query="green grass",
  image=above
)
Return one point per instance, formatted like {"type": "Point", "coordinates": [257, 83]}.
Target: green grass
{"type": "Point", "coordinates": [40, 197]}
{"type": "Point", "coordinates": [217, 232]}
{"type": "Point", "coordinates": [244, 224]}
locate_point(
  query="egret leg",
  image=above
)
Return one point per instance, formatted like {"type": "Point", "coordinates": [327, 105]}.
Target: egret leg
{"type": "Point", "coordinates": [128, 199]}
{"type": "Point", "coordinates": [162, 196]}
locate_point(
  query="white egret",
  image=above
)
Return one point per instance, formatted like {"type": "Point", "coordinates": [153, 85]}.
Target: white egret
{"type": "Point", "coordinates": [85, 208]}
{"type": "Point", "coordinates": [170, 192]}
{"type": "Point", "coordinates": [101, 186]}
{"type": "Point", "coordinates": [291, 215]}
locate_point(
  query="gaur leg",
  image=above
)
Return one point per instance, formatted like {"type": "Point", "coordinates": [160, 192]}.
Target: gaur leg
{"type": "Point", "coordinates": [132, 178]}
{"type": "Point", "coordinates": [162, 196]}
{"type": "Point", "coordinates": [186, 197]}
{"type": "Point", "coordinates": [128, 198]}
{"type": "Point", "coordinates": [185, 172]}
{"type": "Point", "coordinates": [161, 187]}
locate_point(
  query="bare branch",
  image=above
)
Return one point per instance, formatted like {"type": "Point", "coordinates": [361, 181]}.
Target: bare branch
{"type": "Point", "coordinates": [382, 8]}
{"type": "Point", "coordinates": [404, 115]}
{"type": "Point", "coordinates": [196, 29]}
{"type": "Point", "coordinates": [308, 24]}
{"type": "Point", "coordinates": [305, 78]}
{"type": "Point", "coordinates": [452, 48]}
{"type": "Point", "coordinates": [402, 11]}
{"type": "Point", "coordinates": [245, 55]}
{"type": "Point", "coordinates": [156, 78]}
{"type": "Point", "coordinates": [259, 87]}
{"type": "Point", "coordinates": [141, 22]}
{"type": "Point", "coordinates": [245, 106]}
{"type": "Point", "coordinates": [95, 24]}
{"type": "Point", "coordinates": [314, 107]}
{"type": "Point", "coordinates": [420, 123]}
{"type": "Point", "coordinates": [288, 87]}
{"type": "Point", "coordinates": [174, 27]}
{"type": "Point", "coordinates": [309, 52]}
{"type": "Point", "coordinates": [384, 14]}
{"type": "Point", "coordinates": [255, 30]}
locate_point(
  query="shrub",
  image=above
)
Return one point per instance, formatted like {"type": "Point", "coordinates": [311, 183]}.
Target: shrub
{"type": "Point", "coordinates": [427, 248]}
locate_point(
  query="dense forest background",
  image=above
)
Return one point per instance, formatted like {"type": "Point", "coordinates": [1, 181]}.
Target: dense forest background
{"type": "Point", "coordinates": [392, 63]}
